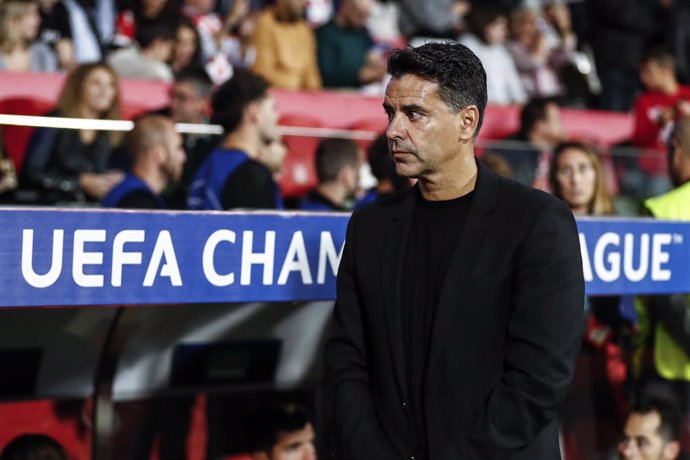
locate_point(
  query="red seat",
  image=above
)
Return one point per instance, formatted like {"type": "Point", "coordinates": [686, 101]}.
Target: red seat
{"type": "Point", "coordinates": [16, 138]}
{"type": "Point", "coordinates": [298, 175]}
{"type": "Point", "coordinates": [375, 126]}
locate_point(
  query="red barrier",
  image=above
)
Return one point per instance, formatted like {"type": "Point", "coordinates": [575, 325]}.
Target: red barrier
{"type": "Point", "coordinates": [331, 109]}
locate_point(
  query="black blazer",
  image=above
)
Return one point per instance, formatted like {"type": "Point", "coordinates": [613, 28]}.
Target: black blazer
{"type": "Point", "coordinates": [504, 342]}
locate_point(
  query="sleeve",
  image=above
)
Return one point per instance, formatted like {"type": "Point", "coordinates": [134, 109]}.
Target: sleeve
{"type": "Point", "coordinates": [645, 130]}
{"type": "Point", "coordinates": [353, 423]}
{"type": "Point", "coordinates": [312, 75]}
{"type": "Point", "coordinates": [251, 186]}
{"type": "Point", "coordinates": [35, 171]}
{"type": "Point", "coordinates": [544, 334]}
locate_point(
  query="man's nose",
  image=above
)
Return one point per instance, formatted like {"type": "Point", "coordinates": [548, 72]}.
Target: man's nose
{"type": "Point", "coordinates": [395, 128]}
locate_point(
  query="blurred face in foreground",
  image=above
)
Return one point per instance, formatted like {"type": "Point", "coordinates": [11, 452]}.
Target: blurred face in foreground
{"type": "Point", "coordinates": [642, 440]}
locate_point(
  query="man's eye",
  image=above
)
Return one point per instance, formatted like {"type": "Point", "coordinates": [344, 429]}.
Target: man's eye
{"type": "Point", "coordinates": [414, 115]}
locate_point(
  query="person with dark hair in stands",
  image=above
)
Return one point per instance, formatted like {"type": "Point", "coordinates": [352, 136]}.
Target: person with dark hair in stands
{"type": "Point", "coordinates": [383, 169]}
{"type": "Point", "coordinates": [458, 300]}
{"type": "Point", "coordinates": [143, 14]}
{"type": "Point", "coordinates": [148, 58]}
{"type": "Point", "coordinates": [190, 100]}
{"type": "Point", "coordinates": [34, 447]}
{"type": "Point", "coordinates": [651, 432]}
{"type": "Point", "coordinates": [232, 177]}
{"type": "Point", "coordinates": [73, 164]}
{"type": "Point", "coordinates": [280, 432]}
{"type": "Point", "coordinates": [157, 160]}
{"type": "Point", "coordinates": [187, 48]}
{"type": "Point", "coordinates": [337, 170]}
{"type": "Point", "coordinates": [56, 32]}
{"type": "Point", "coordinates": [528, 151]}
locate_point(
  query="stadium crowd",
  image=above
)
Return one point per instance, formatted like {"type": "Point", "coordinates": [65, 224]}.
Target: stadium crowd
{"type": "Point", "coordinates": [221, 59]}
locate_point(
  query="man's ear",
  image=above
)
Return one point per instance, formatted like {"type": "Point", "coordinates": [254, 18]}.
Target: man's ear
{"type": "Point", "coordinates": [468, 119]}
{"type": "Point", "coordinates": [159, 153]}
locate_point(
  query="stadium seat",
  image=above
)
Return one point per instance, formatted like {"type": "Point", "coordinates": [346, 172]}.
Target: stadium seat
{"type": "Point", "coordinates": [299, 173]}
{"type": "Point", "coordinates": [16, 138]}
{"type": "Point", "coordinates": [376, 126]}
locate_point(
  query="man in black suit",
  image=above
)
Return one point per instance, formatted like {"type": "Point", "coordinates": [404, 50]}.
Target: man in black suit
{"type": "Point", "coordinates": [459, 302]}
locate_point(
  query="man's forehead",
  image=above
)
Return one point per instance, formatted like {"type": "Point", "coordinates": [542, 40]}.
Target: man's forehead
{"type": "Point", "coordinates": [410, 89]}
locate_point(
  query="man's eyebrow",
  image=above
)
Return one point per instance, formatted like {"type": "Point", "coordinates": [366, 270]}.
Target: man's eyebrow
{"type": "Point", "coordinates": [413, 108]}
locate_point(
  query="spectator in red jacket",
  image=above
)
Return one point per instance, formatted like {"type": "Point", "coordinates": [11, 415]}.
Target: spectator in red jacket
{"type": "Point", "coordinates": [656, 108]}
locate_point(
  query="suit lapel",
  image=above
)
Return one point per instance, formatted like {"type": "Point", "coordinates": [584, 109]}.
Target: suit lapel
{"type": "Point", "coordinates": [395, 247]}
{"type": "Point", "coordinates": [462, 260]}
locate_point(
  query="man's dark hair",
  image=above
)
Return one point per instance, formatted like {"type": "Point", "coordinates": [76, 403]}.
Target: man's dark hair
{"type": "Point", "coordinates": [332, 155]}
{"type": "Point", "coordinates": [233, 96]}
{"type": "Point", "coordinates": [34, 447]}
{"type": "Point", "coordinates": [455, 68]}
{"type": "Point", "coordinates": [263, 426]}
{"type": "Point", "coordinates": [198, 78]}
{"type": "Point", "coordinates": [660, 56]}
{"type": "Point", "coordinates": [533, 112]}
{"type": "Point", "coordinates": [164, 30]}
{"type": "Point", "coordinates": [669, 427]}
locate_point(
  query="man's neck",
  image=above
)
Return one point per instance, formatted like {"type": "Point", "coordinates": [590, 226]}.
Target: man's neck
{"type": "Point", "coordinates": [447, 186]}
{"type": "Point", "coordinates": [333, 192]}
{"type": "Point", "coordinates": [153, 178]}
{"type": "Point", "coordinates": [240, 140]}
{"type": "Point", "coordinates": [670, 86]}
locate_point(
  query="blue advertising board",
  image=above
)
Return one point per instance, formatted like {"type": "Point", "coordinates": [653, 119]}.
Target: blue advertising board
{"type": "Point", "coordinates": [104, 257]}
{"type": "Point", "coordinates": [108, 257]}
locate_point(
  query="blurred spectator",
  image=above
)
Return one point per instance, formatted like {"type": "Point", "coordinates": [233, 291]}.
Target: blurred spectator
{"type": "Point", "coordinates": [537, 60]}
{"type": "Point", "coordinates": [56, 32]}
{"type": "Point", "coordinates": [656, 108]}
{"type": "Point", "coordinates": [346, 53]}
{"type": "Point", "coordinates": [272, 154]}
{"type": "Point", "coordinates": [147, 58]}
{"type": "Point", "coordinates": [596, 398]}
{"type": "Point", "coordinates": [208, 23]}
{"type": "Point", "coordinates": [157, 161]}
{"type": "Point", "coordinates": [34, 447]}
{"type": "Point", "coordinates": [144, 14]}
{"type": "Point", "coordinates": [432, 18]}
{"type": "Point", "coordinates": [487, 35]}
{"type": "Point", "coordinates": [190, 100]}
{"type": "Point", "coordinates": [71, 164]}
{"type": "Point", "coordinates": [382, 167]}
{"type": "Point", "coordinates": [19, 50]}
{"type": "Point", "coordinates": [652, 431]}
{"type": "Point", "coordinates": [497, 164]}
{"type": "Point", "coordinates": [577, 177]}
{"type": "Point", "coordinates": [337, 169]}
{"type": "Point", "coordinates": [383, 23]}
{"type": "Point", "coordinates": [236, 42]}
{"type": "Point", "coordinates": [662, 358]}
{"type": "Point", "coordinates": [286, 47]}
{"type": "Point", "coordinates": [231, 177]}
{"type": "Point", "coordinates": [86, 39]}
{"type": "Point", "coordinates": [187, 48]}
{"type": "Point", "coordinates": [281, 432]}
{"type": "Point", "coordinates": [619, 32]}
{"type": "Point", "coordinates": [528, 151]}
